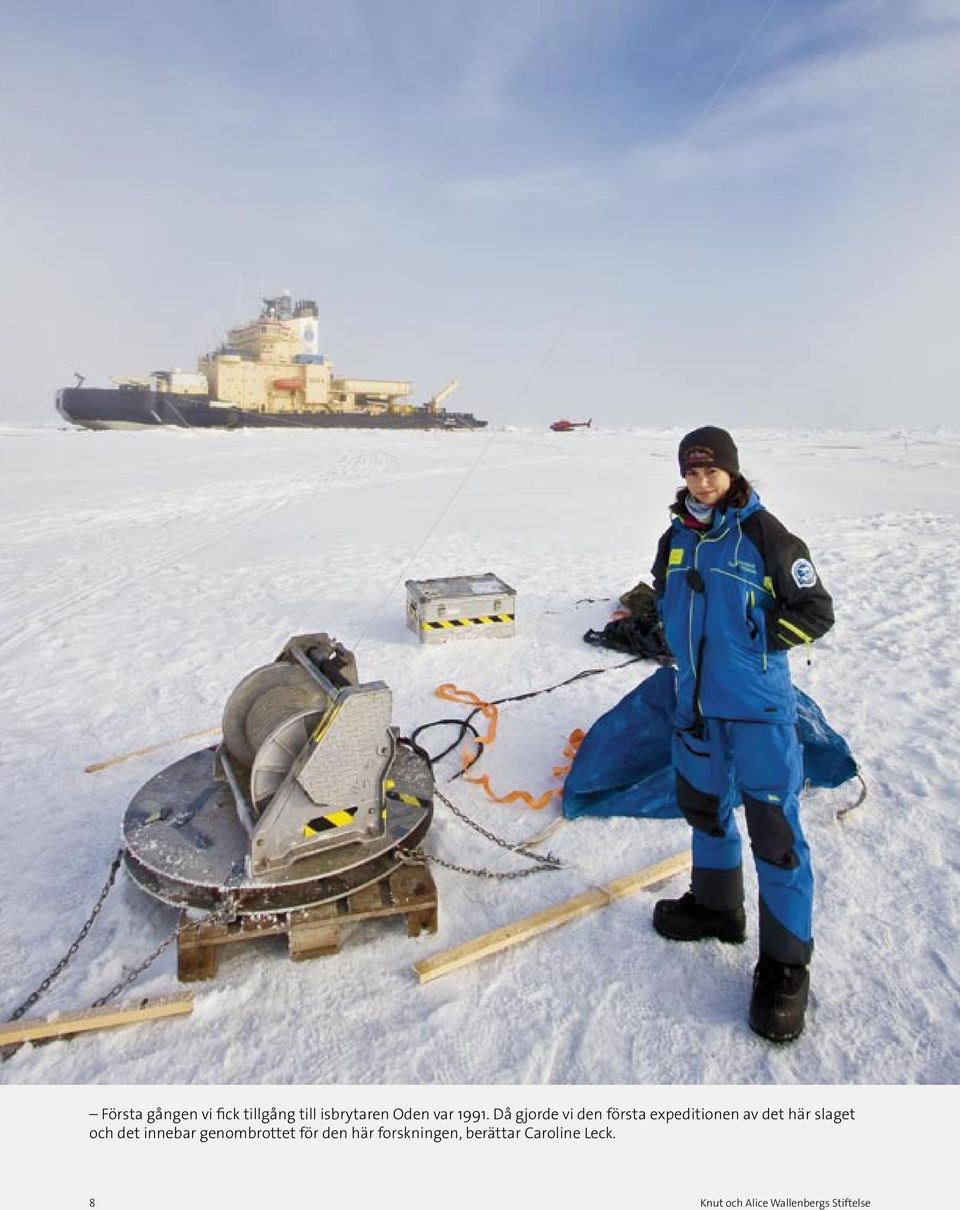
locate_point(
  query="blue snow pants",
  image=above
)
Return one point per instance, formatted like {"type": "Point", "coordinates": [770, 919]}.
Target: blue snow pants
{"type": "Point", "coordinates": [725, 762]}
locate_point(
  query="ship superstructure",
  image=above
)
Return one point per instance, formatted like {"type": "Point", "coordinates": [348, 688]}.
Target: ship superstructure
{"type": "Point", "coordinates": [268, 373]}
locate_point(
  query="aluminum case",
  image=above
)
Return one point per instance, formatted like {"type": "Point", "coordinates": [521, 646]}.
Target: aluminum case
{"type": "Point", "coordinates": [459, 607]}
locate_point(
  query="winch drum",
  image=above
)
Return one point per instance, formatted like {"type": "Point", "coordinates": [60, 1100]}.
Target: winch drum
{"type": "Point", "coordinates": [306, 799]}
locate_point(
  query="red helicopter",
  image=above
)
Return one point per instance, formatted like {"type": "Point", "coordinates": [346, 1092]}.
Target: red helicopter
{"type": "Point", "coordinates": [564, 426]}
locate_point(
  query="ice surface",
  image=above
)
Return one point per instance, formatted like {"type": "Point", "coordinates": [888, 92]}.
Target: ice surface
{"type": "Point", "coordinates": [143, 574]}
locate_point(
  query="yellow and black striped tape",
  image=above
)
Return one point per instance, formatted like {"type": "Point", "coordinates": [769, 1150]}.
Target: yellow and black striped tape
{"type": "Point", "coordinates": [409, 799]}
{"type": "Point", "coordinates": [323, 823]}
{"type": "Point", "coordinates": [340, 819]}
{"type": "Point", "coordinates": [454, 623]}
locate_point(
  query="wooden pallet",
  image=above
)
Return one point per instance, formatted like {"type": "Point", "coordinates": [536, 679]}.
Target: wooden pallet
{"type": "Point", "coordinates": [313, 931]}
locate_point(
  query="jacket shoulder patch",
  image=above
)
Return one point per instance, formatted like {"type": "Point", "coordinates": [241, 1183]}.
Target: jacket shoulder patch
{"type": "Point", "coordinates": [804, 575]}
{"type": "Point", "coordinates": [676, 555]}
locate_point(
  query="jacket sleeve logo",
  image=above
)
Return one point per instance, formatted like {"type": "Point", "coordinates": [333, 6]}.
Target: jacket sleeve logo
{"type": "Point", "coordinates": [804, 575]}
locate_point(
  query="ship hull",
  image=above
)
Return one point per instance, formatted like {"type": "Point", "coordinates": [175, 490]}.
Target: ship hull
{"type": "Point", "coordinates": [134, 408]}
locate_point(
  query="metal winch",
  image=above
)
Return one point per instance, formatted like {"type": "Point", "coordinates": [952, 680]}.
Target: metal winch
{"type": "Point", "coordinates": [308, 798]}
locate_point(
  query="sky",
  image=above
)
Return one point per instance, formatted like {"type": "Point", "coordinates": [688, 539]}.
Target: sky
{"type": "Point", "coordinates": [642, 211]}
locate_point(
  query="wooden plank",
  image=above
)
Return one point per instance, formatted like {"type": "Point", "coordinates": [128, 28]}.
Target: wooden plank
{"type": "Point", "coordinates": [312, 941]}
{"type": "Point", "coordinates": [97, 766]}
{"type": "Point", "coordinates": [314, 931]}
{"type": "Point", "coordinates": [196, 962]}
{"type": "Point", "coordinates": [423, 921]}
{"type": "Point", "coordinates": [367, 899]}
{"type": "Point", "coordinates": [319, 913]}
{"type": "Point", "coordinates": [411, 886]}
{"type": "Point", "coordinates": [532, 926]}
{"type": "Point", "coordinates": [244, 929]}
{"type": "Point", "coordinates": [97, 1018]}
{"type": "Point", "coordinates": [194, 933]}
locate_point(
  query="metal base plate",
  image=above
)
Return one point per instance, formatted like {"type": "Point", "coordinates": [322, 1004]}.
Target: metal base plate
{"type": "Point", "coordinates": [186, 846]}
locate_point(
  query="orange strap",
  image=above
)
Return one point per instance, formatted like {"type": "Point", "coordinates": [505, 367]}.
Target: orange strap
{"type": "Point", "coordinates": [464, 697]}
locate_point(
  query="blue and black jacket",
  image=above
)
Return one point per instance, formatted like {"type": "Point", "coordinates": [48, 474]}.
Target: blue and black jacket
{"type": "Point", "coordinates": [734, 599]}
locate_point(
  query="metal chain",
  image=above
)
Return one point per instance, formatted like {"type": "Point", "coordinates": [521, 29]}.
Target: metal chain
{"type": "Point", "coordinates": [58, 969]}
{"type": "Point", "coordinates": [225, 913]}
{"type": "Point", "coordinates": [136, 972]}
{"type": "Point", "coordinates": [216, 917]}
{"type": "Point", "coordinates": [543, 862]}
{"type": "Point", "coordinates": [420, 857]}
{"type": "Point", "coordinates": [545, 859]}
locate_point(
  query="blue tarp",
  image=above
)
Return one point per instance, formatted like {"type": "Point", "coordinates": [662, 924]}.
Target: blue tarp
{"type": "Point", "coordinates": [623, 765]}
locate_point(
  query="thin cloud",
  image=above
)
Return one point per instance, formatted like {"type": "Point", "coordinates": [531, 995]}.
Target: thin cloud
{"type": "Point", "coordinates": [562, 185]}
{"type": "Point", "coordinates": [447, 176]}
{"type": "Point", "coordinates": [835, 104]}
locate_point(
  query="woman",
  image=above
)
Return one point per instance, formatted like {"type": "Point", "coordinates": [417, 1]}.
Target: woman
{"type": "Point", "coordinates": [736, 591]}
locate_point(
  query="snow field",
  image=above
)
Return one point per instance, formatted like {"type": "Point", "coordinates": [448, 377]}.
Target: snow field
{"type": "Point", "coordinates": [143, 574]}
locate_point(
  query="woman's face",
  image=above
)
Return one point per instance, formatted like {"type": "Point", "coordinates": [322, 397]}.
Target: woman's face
{"type": "Point", "coordinates": [707, 484]}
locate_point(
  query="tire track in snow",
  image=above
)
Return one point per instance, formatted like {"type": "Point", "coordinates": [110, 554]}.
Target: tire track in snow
{"type": "Point", "coordinates": [30, 620]}
{"type": "Point", "coordinates": [23, 631]}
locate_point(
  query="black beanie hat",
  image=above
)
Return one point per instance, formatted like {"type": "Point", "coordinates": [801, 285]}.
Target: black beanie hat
{"type": "Point", "coordinates": [709, 447]}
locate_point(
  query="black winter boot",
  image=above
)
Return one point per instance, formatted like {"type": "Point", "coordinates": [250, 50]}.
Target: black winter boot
{"type": "Point", "coordinates": [779, 999]}
{"type": "Point", "coordinates": [686, 920]}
